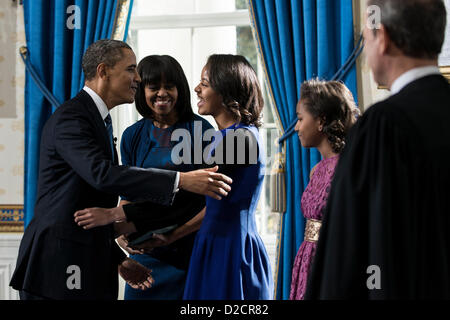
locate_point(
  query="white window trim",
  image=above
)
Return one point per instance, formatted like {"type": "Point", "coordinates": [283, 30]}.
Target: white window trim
{"type": "Point", "coordinates": [194, 20]}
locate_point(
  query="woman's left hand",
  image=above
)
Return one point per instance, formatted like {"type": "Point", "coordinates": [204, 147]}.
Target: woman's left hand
{"type": "Point", "coordinates": [159, 240]}
{"type": "Point", "coordinates": [94, 217]}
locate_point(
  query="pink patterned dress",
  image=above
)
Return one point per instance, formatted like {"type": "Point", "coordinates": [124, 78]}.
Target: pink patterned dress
{"type": "Point", "coordinates": [313, 203]}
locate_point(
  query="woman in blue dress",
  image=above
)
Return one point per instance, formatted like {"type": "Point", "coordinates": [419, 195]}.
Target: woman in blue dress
{"type": "Point", "coordinates": [163, 99]}
{"type": "Point", "coordinates": [229, 260]}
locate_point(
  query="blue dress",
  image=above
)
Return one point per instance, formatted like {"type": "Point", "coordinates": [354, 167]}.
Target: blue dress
{"type": "Point", "coordinates": [147, 146]}
{"type": "Point", "coordinates": [229, 260]}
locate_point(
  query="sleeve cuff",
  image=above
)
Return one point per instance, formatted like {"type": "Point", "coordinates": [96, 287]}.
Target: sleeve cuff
{"type": "Point", "coordinates": [177, 181]}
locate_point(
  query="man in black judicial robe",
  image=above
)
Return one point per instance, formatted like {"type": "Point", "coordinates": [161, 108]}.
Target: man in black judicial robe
{"type": "Point", "coordinates": [386, 229]}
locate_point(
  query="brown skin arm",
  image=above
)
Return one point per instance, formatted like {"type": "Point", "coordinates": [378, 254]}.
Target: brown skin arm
{"type": "Point", "coordinates": [94, 217]}
{"type": "Point", "coordinates": [165, 239]}
{"type": "Point", "coordinates": [206, 181]}
{"type": "Point", "coordinates": [123, 227]}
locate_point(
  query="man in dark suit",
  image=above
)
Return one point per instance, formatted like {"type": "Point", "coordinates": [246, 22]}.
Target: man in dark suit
{"type": "Point", "coordinates": [78, 169]}
{"type": "Point", "coordinates": [385, 232]}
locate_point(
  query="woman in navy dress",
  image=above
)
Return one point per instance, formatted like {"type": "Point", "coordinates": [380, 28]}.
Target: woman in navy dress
{"type": "Point", "coordinates": [163, 100]}
{"type": "Point", "coordinates": [229, 260]}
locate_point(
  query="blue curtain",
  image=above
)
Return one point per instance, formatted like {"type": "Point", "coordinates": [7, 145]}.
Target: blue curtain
{"type": "Point", "coordinates": [299, 40]}
{"type": "Point", "coordinates": [55, 50]}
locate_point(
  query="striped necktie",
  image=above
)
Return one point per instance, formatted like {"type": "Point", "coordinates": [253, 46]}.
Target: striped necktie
{"type": "Point", "coordinates": [109, 128]}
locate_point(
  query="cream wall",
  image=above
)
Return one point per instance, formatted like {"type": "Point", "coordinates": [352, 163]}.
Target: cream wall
{"type": "Point", "coordinates": [12, 82]}
{"type": "Point", "coordinates": [368, 92]}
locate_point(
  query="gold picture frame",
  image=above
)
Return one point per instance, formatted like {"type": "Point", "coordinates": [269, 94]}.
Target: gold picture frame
{"type": "Point", "coordinates": [120, 20]}
{"type": "Point", "coordinates": [444, 58]}
{"type": "Point", "coordinates": [445, 72]}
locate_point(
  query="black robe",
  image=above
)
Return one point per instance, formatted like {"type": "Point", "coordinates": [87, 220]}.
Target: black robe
{"type": "Point", "coordinates": [389, 204]}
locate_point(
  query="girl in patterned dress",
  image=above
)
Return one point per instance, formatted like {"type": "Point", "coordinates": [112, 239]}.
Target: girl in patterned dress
{"type": "Point", "coordinates": [325, 113]}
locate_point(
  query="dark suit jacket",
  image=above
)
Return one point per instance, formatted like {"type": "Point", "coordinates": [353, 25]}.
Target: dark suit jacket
{"type": "Point", "coordinates": [76, 172]}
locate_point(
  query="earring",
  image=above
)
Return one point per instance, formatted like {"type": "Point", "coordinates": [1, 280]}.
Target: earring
{"type": "Point", "coordinates": [320, 128]}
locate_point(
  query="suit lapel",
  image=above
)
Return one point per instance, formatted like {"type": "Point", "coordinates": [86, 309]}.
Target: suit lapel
{"type": "Point", "coordinates": [99, 123]}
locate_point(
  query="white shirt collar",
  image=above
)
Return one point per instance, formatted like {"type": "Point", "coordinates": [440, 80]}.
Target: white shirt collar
{"type": "Point", "coordinates": [411, 76]}
{"type": "Point", "coordinates": [101, 105]}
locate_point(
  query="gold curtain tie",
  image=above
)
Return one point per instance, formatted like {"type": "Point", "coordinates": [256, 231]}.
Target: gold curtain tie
{"type": "Point", "coordinates": [312, 230]}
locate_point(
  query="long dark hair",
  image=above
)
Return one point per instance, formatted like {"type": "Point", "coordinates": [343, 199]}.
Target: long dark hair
{"type": "Point", "coordinates": [236, 81]}
{"type": "Point", "coordinates": [153, 70]}
{"type": "Point", "coordinates": [332, 102]}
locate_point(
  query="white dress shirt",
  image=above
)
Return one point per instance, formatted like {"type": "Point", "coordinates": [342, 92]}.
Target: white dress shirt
{"type": "Point", "coordinates": [412, 75]}
{"type": "Point", "coordinates": [103, 110]}
{"type": "Point", "coordinates": [101, 105]}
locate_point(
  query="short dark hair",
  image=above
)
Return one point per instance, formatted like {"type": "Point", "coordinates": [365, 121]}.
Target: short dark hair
{"type": "Point", "coordinates": [333, 102]}
{"type": "Point", "coordinates": [155, 69]}
{"type": "Point", "coordinates": [105, 51]}
{"type": "Point", "coordinates": [236, 81]}
{"type": "Point", "coordinates": [417, 27]}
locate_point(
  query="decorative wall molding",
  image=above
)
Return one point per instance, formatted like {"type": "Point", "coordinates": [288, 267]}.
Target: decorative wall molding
{"type": "Point", "coordinates": [11, 218]}
{"type": "Point", "coordinates": [9, 247]}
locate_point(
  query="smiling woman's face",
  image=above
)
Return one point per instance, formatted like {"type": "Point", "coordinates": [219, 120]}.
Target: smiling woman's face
{"type": "Point", "coordinates": [210, 102]}
{"type": "Point", "coordinates": [161, 98]}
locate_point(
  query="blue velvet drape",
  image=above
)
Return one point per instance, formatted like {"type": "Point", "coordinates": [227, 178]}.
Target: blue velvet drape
{"type": "Point", "coordinates": [55, 50]}
{"type": "Point", "coordinates": [299, 40]}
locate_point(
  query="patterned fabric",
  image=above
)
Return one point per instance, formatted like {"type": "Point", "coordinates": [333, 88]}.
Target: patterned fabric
{"type": "Point", "coordinates": [314, 200]}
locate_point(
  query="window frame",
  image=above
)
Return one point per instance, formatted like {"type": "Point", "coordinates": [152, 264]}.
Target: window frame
{"type": "Point", "coordinates": [195, 20]}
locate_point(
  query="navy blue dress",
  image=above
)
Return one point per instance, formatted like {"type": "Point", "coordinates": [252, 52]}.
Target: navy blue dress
{"type": "Point", "coordinates": [229, 260]}
{"type": "Point", "coordinates": [147, 146]}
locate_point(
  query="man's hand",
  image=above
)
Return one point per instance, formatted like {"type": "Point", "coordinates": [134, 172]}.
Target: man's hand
{"type": "Point", "coordinates": [95, 217]}
{"type": "Point", "coordinates": [123, 242]}
{"type": "Point", "coordinates": [135, 274]}
{"type": "Point", "coordinates": [206, 181]}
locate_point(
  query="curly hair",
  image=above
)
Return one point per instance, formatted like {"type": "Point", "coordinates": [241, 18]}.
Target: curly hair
{"type": "Point", "coordinates": [333, 102]}
{"type": "Point", "coordinates": [105, 51]}
{"type": "Point", "coordinates": [236, 81]}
